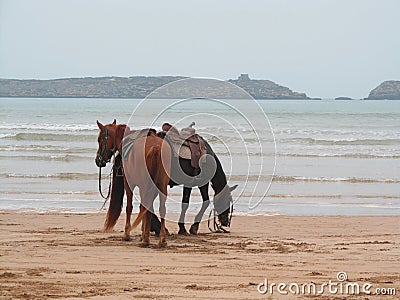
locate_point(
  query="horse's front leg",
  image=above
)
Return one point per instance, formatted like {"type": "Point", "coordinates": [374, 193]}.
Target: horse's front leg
{"type": "Point", "coordinates": [185, 205]}
{"type": "Point", "coordinates": [129, 196]}
{"type": "Point", "coordinates": [206, 202]}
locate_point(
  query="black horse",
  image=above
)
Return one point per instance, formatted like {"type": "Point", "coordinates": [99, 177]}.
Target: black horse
{"type": "Point", "coordinates": [222, 196]}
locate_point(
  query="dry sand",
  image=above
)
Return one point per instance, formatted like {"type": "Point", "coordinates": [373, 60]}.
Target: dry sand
{"type": "Point", "coordinates": [67, 256]}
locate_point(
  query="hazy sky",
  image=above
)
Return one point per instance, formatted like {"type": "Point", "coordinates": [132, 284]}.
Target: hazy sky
{"type": "Point", "coordinates": [324, 48]}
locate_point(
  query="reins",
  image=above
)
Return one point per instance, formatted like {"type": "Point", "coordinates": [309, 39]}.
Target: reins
{"type": "Point", "coordinates": [216, 225]}
{"type": "Point", "coordinates": [106, 198]}
{"type": "Point", "coordinates": [105, 150]}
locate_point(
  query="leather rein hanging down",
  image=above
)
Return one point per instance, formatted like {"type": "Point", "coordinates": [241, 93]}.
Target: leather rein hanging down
{"type": "Point", "coordinates": [106, 151]}
{"type": "Point", "coordinates": [106, 198]}
{"type": "Point", "coordinates": [216, 225]}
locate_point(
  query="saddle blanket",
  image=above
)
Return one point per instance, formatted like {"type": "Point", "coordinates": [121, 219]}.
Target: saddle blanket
{"type": "Point", "coordinates": [129, 140]}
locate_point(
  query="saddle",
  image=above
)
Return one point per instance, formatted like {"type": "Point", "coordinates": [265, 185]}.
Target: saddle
{"type": "Point", "coordinates": [186, 144]}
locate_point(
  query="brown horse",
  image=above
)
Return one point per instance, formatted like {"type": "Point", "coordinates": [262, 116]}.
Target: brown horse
{"type": "Point", "coordinates": [147, 166]}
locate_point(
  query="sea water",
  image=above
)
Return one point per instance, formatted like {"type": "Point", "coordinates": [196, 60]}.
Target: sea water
{"type": "Point", "coordinates": [332, 157]}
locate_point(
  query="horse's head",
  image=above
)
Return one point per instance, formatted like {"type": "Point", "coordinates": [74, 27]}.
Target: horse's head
{"type": "Point", "coordinates": [222, 204]}
{"type": "Point", "coordinates": [107, 143]}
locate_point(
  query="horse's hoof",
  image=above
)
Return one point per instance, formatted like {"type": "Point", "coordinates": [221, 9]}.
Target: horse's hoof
{"type": "Point", "coordinates": [194, 228]}
{"type": "Point", "coordinates": [107, 230]}
{"type": "Point", "coordinates": [144, 244]}
{"type": "Point", "coordinates": [182, 229]}
{"type": "Point", "coordinates": [183, 232]}
{"type": "Point", "coordinates": [127, 238]}
{"type": "Point", "coordinates": [162, 244]}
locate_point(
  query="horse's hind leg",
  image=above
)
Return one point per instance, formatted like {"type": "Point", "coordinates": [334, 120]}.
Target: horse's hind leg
{"type": "Point", "coordinates": [162, 210]}
{"type": "Point", "coordinates": [146, 229]}
{"type": "Point", "coordinates": [147, 196]}
{"type": "Point", "coordinates": [206, 202]}
{"type": "Point", "coordinates": [145, 241]}
{"type": "Point", "coordinates": [185, 205]}
{"type": "Point", "coordinates": [129, 195]}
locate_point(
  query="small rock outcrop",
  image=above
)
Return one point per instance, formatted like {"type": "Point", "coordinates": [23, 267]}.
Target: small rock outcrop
{"type": "Point", "coordinates": [343, 98]}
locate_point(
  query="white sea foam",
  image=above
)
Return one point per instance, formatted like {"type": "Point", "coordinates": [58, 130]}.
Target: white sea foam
{"type": "Point", "coordinates": [50, 127]}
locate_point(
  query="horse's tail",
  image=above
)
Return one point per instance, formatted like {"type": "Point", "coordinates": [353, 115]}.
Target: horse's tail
{"type": "Point", "coordinates": [117, 195]}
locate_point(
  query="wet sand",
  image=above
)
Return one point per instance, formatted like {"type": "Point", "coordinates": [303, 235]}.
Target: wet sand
{"type": "Point", "coordinates": [67, 256]}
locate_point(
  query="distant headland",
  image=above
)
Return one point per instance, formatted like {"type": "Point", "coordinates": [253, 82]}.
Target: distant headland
{"type": "Point", "coordinates": [140, 87]}
{"type": "Point", "coordinates": [128, 87]}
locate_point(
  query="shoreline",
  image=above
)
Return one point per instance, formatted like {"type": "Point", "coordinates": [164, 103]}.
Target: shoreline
{"type": "Point", "coordinates": [66, 255]}
{"type": "Point", "coordinates": [190, 213]}
{"type": "Point", "coordinates": [257, 99]}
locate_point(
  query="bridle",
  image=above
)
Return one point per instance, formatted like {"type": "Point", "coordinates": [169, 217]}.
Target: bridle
{"type": "Point", "coordinates": [217, 227]}
{"type": "Point", "coordinates": [104, 150]}
{"type": "Point", "coordinates": [108, 153]}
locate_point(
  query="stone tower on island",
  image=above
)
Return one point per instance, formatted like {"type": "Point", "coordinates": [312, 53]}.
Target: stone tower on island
{"type": "Point", "coordinates": [244, 77]}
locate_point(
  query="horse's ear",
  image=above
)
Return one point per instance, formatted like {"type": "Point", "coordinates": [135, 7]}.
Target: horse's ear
{"type": "Point", "coordinates": [101, 126]}
{"type": "Point", "coordinates": [232, 188]}
{"type": "Point", "coordinates": [115, 122]}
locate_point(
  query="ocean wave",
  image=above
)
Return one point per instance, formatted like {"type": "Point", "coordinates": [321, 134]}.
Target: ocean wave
{"type": "Point", "coordinates": [51, 127]}
{"type": "Point", "coordinates": [340, 142]}
{"type": "Point", "coordinates": [236, 178]}
{"type": "Point", "coordinates": [333, 114]}
{"type": "Point", "coordinates": [6, 135]}
{"type": "Point", "coordinates": [22, 136]}
{"type": "Point", "coordinates": [333, 196]}
{"type": "Point", "coordinates": [62, 157]}
{"type": "Point", "coordinates": [355, 133]}
{"type": "Point", "coordinates": [316, 155]}
{"type": "Point", "coordinates": [55, 200]}
{"type": "Point", "coordinates": [282, 178]}
{"type": "Point", "coordinates": [268, 213]}
{"type": "Point", "coordinates": [61, 176]}
{"type": "Point", "coordinates": [46, 149]}
{"type": "Point", "coordinates": [20, 192]}
{"type": "Point", "coordinates": [329, 179]}
{"type": "Point", "coordinates": [345, 155]}
{"type": "Point", "coordinates": [227, 139]}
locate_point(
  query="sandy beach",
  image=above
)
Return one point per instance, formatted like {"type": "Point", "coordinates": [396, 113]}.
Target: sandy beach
{"type": "Point", "coordinates": [67, 256]}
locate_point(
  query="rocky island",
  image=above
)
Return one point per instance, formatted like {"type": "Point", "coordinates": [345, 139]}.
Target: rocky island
{"type": "Point", "coordinates": [389, 90]}
{"type": "Point", "coordinates": [127, 87]}
{"type": "Point", "coordinates": [343, 98]}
